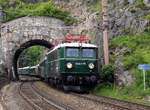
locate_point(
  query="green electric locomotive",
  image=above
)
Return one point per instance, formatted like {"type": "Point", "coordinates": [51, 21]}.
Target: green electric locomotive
{"type": "Point", "coordinates": [73, 66]}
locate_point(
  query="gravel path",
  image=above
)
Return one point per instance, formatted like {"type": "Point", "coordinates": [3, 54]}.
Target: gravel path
{"type": "Point", "coordinates": [1, 107]}
{"type": "Point", "coordinates": [11, 98]}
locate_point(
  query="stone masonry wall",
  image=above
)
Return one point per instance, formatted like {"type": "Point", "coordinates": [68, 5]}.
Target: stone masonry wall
{"type": "Point", "coordinates": [19, 31]}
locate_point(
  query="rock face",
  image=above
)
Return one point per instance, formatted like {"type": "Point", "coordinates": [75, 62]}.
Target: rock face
{"type": "Point", "coordinates": [89, 21]}
{"type": "Point", "coordinates": [1, 61]}
{"type": "Point", "coordinates": [147, 3]}
{"type": "Point", "coordinates": [122, 76]}
{"type": "Point", "coordinates": [127, 17]}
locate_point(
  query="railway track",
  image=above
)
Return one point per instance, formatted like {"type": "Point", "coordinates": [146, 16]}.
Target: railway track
{"type": "Point", "coordinates": [113, 104]}
{"type": "Point", "coordinates": [38, 100]}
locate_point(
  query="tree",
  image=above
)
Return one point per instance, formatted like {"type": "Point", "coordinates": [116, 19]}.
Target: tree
{"type": "Point", "coordinates": [31, 56]}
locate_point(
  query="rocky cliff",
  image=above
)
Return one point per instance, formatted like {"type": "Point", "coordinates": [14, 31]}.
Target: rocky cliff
{"type": "Point", "coordinates": [128, 16]}
{"type": "Point", "coordinates": [88, 15]}
{"type": "Point", "coordinates": [125, 17]}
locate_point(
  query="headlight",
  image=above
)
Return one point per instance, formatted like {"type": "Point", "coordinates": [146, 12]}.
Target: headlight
{"type": "Point", "coordinates": [69, 65]}
{"type": "Point", "coordinates": [91, 65]}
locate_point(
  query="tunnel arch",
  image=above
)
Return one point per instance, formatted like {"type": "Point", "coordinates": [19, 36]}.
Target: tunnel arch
{"type": "Point", "coordinates": [25, 46]}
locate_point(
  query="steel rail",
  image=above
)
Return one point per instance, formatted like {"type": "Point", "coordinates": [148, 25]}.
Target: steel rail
{"type": "Point", "coordinates": [116, 103]}
{"type": "Point", "coordinates": [27, 99]}
{"type": "Point", "coordinates": [45, 99]}
{"type": "Point", "coordinates": [50, 102]}
{"type": "Point", "coordinates": [57, 104]}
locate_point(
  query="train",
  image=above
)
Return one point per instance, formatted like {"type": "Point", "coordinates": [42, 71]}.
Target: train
{"type": "Point", "coordinates": [29, 71]}
{"type": "Point", "coordinates": [72, 66]}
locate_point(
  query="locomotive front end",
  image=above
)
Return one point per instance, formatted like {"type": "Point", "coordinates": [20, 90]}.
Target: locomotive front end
{"type": "Point", "coordinates": [80, 65]}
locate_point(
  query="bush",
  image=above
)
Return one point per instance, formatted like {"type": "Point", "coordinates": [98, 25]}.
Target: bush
{"type": "Point", "coordinates": [140, 4]}
{"type": "Point", "coordinates": [132, 61]}
{"type": "Point", "coordinates": [138, 45]}
{"type": "Point", "coordinates": [21, 9]}
{"type": "Point", "coordinates": [107, 74]}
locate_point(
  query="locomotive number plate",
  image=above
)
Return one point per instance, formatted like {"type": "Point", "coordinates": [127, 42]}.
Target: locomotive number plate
{"type": "Point", "coordinates": [80, 63]}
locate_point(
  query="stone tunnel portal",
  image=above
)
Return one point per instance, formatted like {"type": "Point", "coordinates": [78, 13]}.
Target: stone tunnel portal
{"type": "Point", "coordinates": [25, 46]}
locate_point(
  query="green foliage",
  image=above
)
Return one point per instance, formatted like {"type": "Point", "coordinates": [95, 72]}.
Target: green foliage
{"type": "Point", "coordinates": [107, 73]}
{"type": "Point", "coordinates": [139, 46]}
{"type": "Point", "coordinates": [95, 5]}
{"type": "Point", "coordinates": [132, 93]}
{"type": "Point", "coordinates": [31, 56]}
{"type": "Point", "coordinates": [147, 16]}
{"type": "Point", "coordinates": [3, 2]}
{"type": "Point", "coordinates": [131, 61]}
{"type": "Point", "coordinates": [21, 9]}
{"type": "Point", "coordinates": [140, 4]}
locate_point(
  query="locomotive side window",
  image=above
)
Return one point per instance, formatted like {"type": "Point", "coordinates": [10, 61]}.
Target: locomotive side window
{"type": "Point", "coordinates": [72, 52]}
{"type": "Point", "coordinates": [88, 53]}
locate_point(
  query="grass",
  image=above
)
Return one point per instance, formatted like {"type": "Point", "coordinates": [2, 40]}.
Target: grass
{"type": "Point", "coordinates": [95, 6]}
{"type": "Point", "coordinates": [147, 16]}
{"type": "Point", "coordinates": [136, 51]}
{"type": "Point", "coordinates": [21, 9]}
{"type": "Point", "coordinates": [131, 93]}
{"type": "Point", "coordinates": [140, 4]}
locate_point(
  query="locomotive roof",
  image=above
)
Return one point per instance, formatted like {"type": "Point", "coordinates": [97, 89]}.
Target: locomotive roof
{"type": "Point", "coordinates": [73, 45]}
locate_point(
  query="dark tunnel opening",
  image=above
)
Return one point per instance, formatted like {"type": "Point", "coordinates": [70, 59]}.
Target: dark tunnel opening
{"type": "Point", "coordinates": [25, 46]}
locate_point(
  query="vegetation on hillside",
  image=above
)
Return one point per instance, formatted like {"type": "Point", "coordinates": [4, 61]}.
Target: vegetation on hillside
{"type": "Point", "coordinates": [136, 50]}
{"type": "Point", "coordinates": [94, 5]}
{"type": "Point", "coordinates": [18, 8]}
{"type": "Point", "coordinates": [140, 4]}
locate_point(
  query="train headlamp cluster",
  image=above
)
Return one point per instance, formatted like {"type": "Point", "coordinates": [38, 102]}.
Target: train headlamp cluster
{"type": "Point", "coordinates": [69, 65]}
{"type": "Point", "coordinates": [91, 65]}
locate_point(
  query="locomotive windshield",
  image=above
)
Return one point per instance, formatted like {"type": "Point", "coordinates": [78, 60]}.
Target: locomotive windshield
{"type": "Point", "coordinates": [88, 53]}
{"type": "Point", "coordinates": [82, 52]}
{"type": "Point", "coordinates": [72, 52]}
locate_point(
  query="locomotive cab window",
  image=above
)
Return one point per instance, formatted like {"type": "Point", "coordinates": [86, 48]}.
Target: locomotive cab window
{"type": "Point", "coordinates": [72, 52]}
{"type": "Point", "coordinates": [89, 53]}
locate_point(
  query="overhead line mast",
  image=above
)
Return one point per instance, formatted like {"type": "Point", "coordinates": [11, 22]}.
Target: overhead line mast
{"type": "Point", "coordinates": [105, 31]}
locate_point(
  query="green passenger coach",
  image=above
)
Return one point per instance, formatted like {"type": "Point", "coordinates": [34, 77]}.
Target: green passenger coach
{"type": "Point", "coordinates": [73, 66]}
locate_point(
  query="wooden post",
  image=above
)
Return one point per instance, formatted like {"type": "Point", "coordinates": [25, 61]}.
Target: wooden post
{"type": "Point", "coordinates": [1, 18]}
{"type": "Point", "coordinates": [105, 31]}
